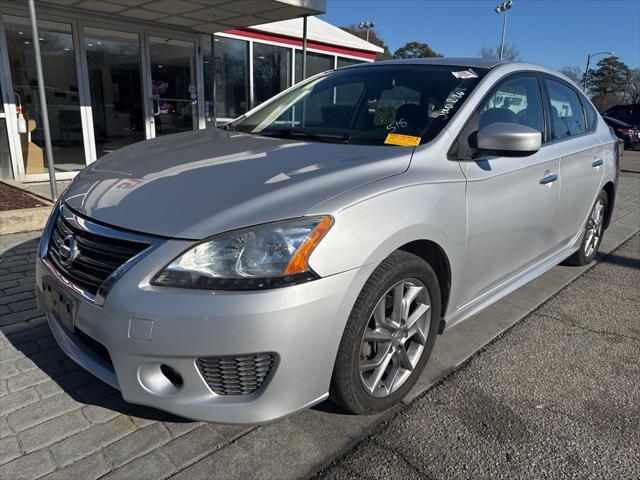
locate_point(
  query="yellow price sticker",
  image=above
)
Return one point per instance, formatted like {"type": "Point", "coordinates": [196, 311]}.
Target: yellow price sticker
{"type": "Point", "coordinates": [403, 140]}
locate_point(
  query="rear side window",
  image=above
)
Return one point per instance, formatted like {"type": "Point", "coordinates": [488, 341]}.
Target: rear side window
{"type": "Point", "coordinates": [591, 114]}
{"type": "Point", "coordinates": [567, 116]}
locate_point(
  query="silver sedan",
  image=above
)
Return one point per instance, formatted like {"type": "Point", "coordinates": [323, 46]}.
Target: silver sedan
{"type": "Point", "coordinates": [317, 246]}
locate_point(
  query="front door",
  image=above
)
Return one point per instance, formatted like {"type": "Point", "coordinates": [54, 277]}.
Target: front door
{"type": "Point", "coordinates": [511, 200]}
{"type": "Point", "coordinates": [173, 85]}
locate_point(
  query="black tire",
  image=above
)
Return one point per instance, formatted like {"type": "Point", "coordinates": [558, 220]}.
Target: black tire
{"type": "Point", "coordinates": [582, 257]}
{"type": "Point", "coordinates": [347, 389]}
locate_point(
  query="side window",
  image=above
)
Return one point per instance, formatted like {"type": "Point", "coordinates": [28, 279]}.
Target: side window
{"type": "Point", "coordinates": [514, 101]}
{"type": "Point", "coordinates": [592, 115]}
{"type": "Point", "coordinates": [567, 117]}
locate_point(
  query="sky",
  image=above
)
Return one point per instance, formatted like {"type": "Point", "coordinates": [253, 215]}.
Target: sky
{"type": "Point", "coordinates": [555, 33]}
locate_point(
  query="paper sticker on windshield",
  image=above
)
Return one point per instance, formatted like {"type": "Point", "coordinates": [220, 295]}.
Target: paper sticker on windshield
{"type": "Point", "coordinates": [403, 140]}
{"type": "Point", "coordinates": [465, 74]}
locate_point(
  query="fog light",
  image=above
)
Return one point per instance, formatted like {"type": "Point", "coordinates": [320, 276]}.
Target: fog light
{"type": "Point", "coordinates": [160, 379]}
{"type": "Point", "coordinates": [171, 374]}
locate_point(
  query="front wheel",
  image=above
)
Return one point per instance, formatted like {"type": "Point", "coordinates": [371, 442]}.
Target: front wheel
{"type": "Point", "coordinates": [592, 233]}
{"type": "Point", "coordinates": [389, 335]}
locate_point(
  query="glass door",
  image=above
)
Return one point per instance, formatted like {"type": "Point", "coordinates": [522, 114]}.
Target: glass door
{"type": "Point", "coordinates": [174, 92]}
{"type": "Point", "coordinates": [61, 89]}
{"type": "Point", "coordinates": [115, 86]}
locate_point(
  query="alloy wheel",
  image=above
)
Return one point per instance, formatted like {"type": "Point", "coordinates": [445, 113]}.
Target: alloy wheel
{"type": "Point", "coordinates": [594, 228]}
{"type": "Point", "coordinates": [395, 337]}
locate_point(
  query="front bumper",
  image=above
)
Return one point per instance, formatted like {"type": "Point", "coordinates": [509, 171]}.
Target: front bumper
{"type": "Point", "coordinates": [143, 327]}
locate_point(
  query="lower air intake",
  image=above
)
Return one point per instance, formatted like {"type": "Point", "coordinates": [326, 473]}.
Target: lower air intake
{"type": "Point", "coordinates": [236, 375]}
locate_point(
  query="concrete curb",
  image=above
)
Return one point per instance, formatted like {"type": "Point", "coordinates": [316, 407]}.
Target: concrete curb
{"type": "Point", "coordinates": [23, 220]}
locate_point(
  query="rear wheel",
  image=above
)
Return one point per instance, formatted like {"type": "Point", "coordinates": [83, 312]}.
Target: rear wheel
{"type": "Point", "coordinates": [593, 232]}
{"type": "Point", "coordinates": [389, 335]}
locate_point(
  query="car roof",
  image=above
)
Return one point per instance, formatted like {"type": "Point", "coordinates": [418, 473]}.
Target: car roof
{"type": "Point", "coordinates": [615, 121]}
{"type": "Point", "coordinates": [478, 63]}
{"type": "Point", "coordinates": [448, 61]}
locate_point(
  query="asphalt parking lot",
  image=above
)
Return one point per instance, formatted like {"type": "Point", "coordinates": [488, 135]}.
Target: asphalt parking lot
{"type": "Point", "coordinates": [58, 421]}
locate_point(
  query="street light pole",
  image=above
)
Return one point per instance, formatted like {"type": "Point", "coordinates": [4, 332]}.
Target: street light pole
{"type": "Point", "coordinates": [503, 7]}
{"type": "Point", "coordinates": [585, 77]}
{"type": "Point", "coordinates": [504, 29]}
{"type": "Point", "coordinates": [368, 25]}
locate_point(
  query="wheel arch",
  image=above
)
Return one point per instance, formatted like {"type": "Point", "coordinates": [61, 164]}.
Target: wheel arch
{"type": "Point", "coordinates": [435, 256]}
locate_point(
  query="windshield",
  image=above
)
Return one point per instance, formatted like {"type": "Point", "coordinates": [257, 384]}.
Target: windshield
{"type": "Point", "coordinates": [372, 105]}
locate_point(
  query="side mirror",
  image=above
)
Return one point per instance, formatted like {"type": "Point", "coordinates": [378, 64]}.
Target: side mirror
{"type": "Point", "coordinates": [509, 137]}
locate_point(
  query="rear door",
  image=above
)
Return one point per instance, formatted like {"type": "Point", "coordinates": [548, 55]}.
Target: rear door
{"type": "Point", "coordinates": [511, 200]}
{"type": "Point", "coordinates": [572, 132]}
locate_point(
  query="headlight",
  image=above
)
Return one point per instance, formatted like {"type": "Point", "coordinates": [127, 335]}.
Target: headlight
{"type": "Point", "coordinates": [266, 256]}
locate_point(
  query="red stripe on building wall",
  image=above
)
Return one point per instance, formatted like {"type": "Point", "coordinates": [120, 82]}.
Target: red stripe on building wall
{"type": "Point", "coordinates": [298, 43]}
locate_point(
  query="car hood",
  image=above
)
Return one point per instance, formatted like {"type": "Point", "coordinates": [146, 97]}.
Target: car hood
{"type": "Point", "coordinates": [196, 184]}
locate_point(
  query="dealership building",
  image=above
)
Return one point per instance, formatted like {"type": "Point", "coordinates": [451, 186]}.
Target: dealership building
{"type": "Point", "coordinates": [120, 71]}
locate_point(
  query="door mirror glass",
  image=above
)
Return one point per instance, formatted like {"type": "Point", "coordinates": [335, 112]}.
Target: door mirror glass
{"type": "Point", "coordinates": [509, 138]}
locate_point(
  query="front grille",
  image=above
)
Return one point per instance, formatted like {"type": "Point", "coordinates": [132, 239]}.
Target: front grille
{"type": "Point", "coordinates": [98, 255]}
{"type": "Point", "coordinates": [233, 375]}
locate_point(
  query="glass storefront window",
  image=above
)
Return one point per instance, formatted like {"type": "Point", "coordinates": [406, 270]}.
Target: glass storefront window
{"type": "Point", "coordinates": [5, 155]}
{"type": "Point", "coordinates": [173, 83]}
{"type": "Point", "coordinates": [61, 82]}
{"type": "Point", "coordinates": [232, 77]}
{"type": "Point", "coordinates": [316, 63]}
{"type": "Point", "coordinates": [345, 62]}
{"type": "Point", "coordinates": [113, 60]}
{"type": "Point", "coordinates": [271, 71]}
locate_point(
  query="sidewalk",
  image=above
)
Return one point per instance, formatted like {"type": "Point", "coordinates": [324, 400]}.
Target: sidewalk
{"type": "Point", "coordinates": [58, 421]}
{"type": "Point", "coordinates": [555, 397]}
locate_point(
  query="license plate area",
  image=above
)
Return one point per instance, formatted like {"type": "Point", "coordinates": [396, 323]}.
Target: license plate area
{"type": "Point", "coordinates": [62, 305]}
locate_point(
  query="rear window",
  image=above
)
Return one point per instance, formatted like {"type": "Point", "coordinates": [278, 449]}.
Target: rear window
{"type": "Point", "coordinates": [626, 113]}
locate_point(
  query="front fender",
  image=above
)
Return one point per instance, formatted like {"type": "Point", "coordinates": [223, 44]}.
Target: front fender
{"type": "Point", "coordinates": [369, 230]}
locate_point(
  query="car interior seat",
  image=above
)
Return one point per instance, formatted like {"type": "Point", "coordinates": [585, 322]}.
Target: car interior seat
{"type": "Point", "coordinates": [415, 117]}
{"type": "Point", "coordinates": [495, 115]}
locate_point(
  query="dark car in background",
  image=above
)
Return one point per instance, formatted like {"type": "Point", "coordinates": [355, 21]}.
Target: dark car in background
{"type": "Point", "coordinates": [625, 113]}
{"type": "Point", "coordinates": [624, 131]}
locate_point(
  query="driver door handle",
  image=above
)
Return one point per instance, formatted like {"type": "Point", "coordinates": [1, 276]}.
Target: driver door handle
{"type": "Point", "coordinates": [597, 163]}
{"type": "Point", "coordinates": [550, 178]}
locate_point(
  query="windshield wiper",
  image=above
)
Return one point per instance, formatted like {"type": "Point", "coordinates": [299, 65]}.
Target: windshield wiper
{"type": "Point", "coordinates": [294, 132]}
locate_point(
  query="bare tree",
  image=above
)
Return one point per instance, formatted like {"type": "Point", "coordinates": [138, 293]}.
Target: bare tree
{"type": "Point", "coordinates": [510, 52]}
{"type": "Point", "coordinates": [632, 88]}
{"type": "Point", "coordinates": [574, 73]}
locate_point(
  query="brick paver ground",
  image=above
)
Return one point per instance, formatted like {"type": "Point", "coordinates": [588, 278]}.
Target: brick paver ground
{"type": "Point", "coordinates": [58, 421]}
